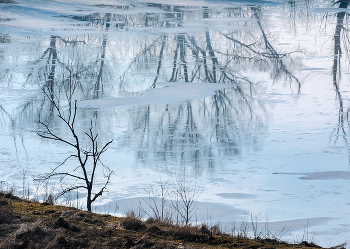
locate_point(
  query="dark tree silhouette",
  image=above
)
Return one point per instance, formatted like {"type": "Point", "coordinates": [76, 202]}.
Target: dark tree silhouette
{"type": "Point", "coordinates": [82, 173]}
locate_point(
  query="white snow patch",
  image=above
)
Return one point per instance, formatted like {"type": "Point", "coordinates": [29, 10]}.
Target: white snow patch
{"type": "Point", "coordinates": [172, 92]}
{"type": "Point", "coordinates": [329, 10]}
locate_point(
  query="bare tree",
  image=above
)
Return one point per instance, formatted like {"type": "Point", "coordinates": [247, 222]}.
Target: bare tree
{"type": "Point", "coordinates": [88, 159]}
{"type": "Point", "coordinates": [184, 200]}
{"type": "Point", "coordinates": [174, 202]}
{"type": "Point", "coordinates": [159, 203]}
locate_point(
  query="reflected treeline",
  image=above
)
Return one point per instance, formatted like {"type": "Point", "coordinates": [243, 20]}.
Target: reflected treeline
{"type": "Point", "coordinates": [132, 52]}
{"type": "Point", "coordinates": [232, 117]}
{"type": "Point", "coordinates": [208, 55]}
{"type": "Point", "coordinates": [198, 132]}
{"type": "Point", "coordinates": [341, 43]}
{"type": "Point", "coordinates": [297, 11]}
{"type": "Point", "coordinates": [59, 69]}
{"type": "Point", "coordinates": [301, 14]}
{"type": "Point", "coordinates": [5, 74]}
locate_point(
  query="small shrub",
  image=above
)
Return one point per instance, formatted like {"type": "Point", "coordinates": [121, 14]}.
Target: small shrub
{"type": "Point", "coordinates": [205, 230]}
{"type": "Point", "coordinates": [35, 232]}
{"type": "Point", "coordinates": [61, 240]}
{"type": "Point", "coordinates": [155, 230]}
{"type": "Point", "coordinates": [50, 211]}
{"type": "Point", "coordinates": [144, 242]}
{"type": "Point", "coordinates": [6, 213]}
{"type": "Point", "coordinates": [128, 242]}
{"type": "Point", "coordinates": [65, 224]}
{"type": "Point", "coordinates": [50, 199]}
{"type": "Point", "coordinates": [216, 230]}
{"type": "Point", "coordinates": [3, 203]}
{"type": "Point", "coordinates": [165, 222]}
{"type": "Point", "coordinates": [151, 220]}
{"type": "Point", "coordinates": [62, 223]}
{"type": "Point", "coordinates": [187, 233]}
{"type": "Point", "coordinates": [11, 195]}
{"type": "Point", "coordinates": [132, 223]}
{"type": "Point", "coordinates": [81, 216]}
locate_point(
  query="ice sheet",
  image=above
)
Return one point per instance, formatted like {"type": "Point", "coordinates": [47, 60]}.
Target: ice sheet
{"type": "Point", "coordinates": [169, 93]}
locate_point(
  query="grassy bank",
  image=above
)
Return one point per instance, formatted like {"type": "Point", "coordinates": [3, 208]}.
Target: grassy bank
{"type": "Point", "coordinates": [28, 224]}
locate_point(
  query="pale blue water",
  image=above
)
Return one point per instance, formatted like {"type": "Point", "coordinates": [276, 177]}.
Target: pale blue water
{"type": "Point", "coordinates": [247, 99]}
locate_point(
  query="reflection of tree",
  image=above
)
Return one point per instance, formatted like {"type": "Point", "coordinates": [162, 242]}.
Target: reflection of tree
{"type": "Point", "coordinates": [343, 120]}
{"type": "Point", "coordinates": [4, 116]}
{"type": "Point", "coordinates": [262, 50]}
{"type": "Point", "coordinates": [98, 84]}
{"type": "Point", "coordinates": [199, 132]}
{"type": "Point", "coordinates": [5, 73]}
{"type": "Point", "coordinates": [175, 133]}
{"type": "Point", "coordinates": [300, 11]}
{"type": "Point", "coordinates": [52, 69]}
{"type": "Point", "coordinates": [196, 131]}
{"type": "Point", "coordinates": [62, 63]}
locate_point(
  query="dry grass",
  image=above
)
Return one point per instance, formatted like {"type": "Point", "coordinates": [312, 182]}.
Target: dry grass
{"type": "Point", "coordinates": [6, 214]}
{"type": "Point", "coordinates": [133, 222]}
{"type": "Point", "coordinates": [26, 224]}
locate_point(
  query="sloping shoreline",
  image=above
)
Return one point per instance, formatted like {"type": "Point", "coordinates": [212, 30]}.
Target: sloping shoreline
{"type": "Point", "coordinates": [28, 224]}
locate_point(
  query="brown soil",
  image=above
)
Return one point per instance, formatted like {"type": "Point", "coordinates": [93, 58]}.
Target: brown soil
{"type": "Point", "coordinates": [26, 224]}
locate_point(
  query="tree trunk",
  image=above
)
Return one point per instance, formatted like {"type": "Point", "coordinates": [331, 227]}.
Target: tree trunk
{"type": "Point", "coordinates": [88, 200]}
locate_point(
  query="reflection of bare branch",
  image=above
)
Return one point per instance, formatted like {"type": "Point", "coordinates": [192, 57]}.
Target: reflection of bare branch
{"type": "Point", "coordinates": [271, 54]}
{"type": "Point", "coordinates": [103, 54]}
{"type": "Point", "coordinates": [343, 116]}
{"type": "Point", "coordinates": [202, 56]}
{"type": "Point", "coordinates": [144, 51]}
{"type": "Point", "coordinates": [176, 132]}
{"type": "Point", "coordinates": [280, 67]}
{"type": "Point", "coordinates": [160, 59]}
{"type": "Point", "coordinates": [3, 111]}
{"type": "Point", "coordinates": [182, 41]}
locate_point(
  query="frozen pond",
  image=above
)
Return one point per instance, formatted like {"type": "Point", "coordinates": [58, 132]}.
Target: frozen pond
{"type": "Point", "coordinates": [249, 99]}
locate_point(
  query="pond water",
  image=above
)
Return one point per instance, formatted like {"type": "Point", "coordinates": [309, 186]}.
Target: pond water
{"type": "Point", "coordinates": [249, 100]}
